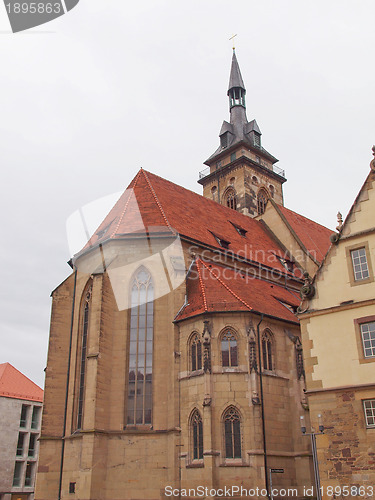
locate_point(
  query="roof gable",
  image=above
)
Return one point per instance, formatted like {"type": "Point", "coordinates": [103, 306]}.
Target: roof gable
{"type": "Point", "coordinates": [13, 384]}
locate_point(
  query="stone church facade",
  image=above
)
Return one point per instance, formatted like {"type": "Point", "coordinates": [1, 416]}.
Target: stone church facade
{"type": "Point", "coordinates": [175, 357]}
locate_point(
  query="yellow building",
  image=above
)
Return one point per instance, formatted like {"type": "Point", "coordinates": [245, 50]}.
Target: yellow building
{"type": "Point", "coordinates": [338, 336]}
{"type": "Point", "coordinates": [175, 358]}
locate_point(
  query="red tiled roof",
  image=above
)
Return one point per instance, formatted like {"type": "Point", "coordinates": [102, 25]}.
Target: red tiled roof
{"type": "Point", "coordinates": [216, 288]}
{"type": "Point", "coordinates": [13, 384]}
{"type": "Point", "coordinates": [314, 237]}
{"type": "Point", "coordinates": [154, 204]}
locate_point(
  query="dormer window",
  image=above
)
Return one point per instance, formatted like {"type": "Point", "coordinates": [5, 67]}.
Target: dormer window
{"type": "Point", "coordinates": [256, 139]}
{"type": "Point", "coordinates": [222, 241]}
{"type": "Point", "coordinates": [224, 140]}
{"type": "Point", "coordinates": [288, 264]}
{"type": "Point", "coordinates": [240, 230]}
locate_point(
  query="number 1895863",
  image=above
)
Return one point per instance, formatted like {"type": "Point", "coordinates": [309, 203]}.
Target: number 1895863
{"type": "Point", "coordinates": [34, 8]}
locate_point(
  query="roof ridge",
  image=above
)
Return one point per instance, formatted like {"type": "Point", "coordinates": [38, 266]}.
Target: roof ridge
{"type": "Point", "coordinates": [201, 285]}
{"type": "Point", "coordinates": [156, 199]}
{"type": "Point", "coordinates": [226, 286]}
{"type": "Point", "coordinates": [127, 203]}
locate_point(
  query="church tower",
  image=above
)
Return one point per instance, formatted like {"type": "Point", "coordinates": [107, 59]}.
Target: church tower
{"type": "Point", "coordinates": [241, 174]}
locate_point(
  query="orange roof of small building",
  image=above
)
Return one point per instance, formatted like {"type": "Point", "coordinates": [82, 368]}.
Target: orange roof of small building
{"type": "Point", "coordinates": [14, 384]}
{"type": "Point", "coordinates": [154, 205]}
{"type": "Point", "coordinates": [314, 236]}
{"type": "Point", "coordinates": [215, 288]}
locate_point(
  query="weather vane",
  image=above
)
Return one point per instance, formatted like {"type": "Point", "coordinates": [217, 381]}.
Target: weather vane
{"type": "Point", "coordinates": [232, 38]}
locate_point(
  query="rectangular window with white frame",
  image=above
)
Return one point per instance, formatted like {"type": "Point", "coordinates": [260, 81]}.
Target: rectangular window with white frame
{"type": "Point", "coordinates": [360, 265]}
{"type": "Point", "coordinates": [368, 339]}
{"type": "Point", "coordinates": [369, 409]}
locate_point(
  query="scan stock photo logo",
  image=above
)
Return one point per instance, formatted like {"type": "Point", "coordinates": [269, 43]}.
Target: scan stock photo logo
{"type": "Point", "coordinates": [27, 14]}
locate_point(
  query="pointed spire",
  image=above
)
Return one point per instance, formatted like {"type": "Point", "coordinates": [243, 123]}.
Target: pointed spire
{"type": "Point", "coordinates": [235, 80]}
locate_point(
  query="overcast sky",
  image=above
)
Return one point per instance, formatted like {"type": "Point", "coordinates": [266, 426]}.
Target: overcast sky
{"type": "Point", "coordinates": [112, 86]}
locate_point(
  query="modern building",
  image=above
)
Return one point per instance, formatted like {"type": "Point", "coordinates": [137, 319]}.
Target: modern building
{"type": "Point", "coordinates": [338, 336]}
{"type": "Point", "coordinates": [20, 411]}
{"type": "Point", "coordinates": [175, 358]}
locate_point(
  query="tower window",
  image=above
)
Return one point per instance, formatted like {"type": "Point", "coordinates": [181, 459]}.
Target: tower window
{"type": "Point", "coordinates": [256, 139]}
{"type": "Point", "coordinates": [233, 156]}
{"type": "Point", "coordinates": [262, 201]}
{"type": "Point", "coordinates": [230, 199]}
{"type": "Point", "coordinates": [140, 349]}
{"type": "Point", "coordinates": [232, 433]}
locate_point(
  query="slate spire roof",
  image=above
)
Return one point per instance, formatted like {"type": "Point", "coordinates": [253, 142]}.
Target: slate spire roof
{"type": "Point", "coordinates": [13, 384]}
{"type": "Point", "coordinates": [238, 130]}
{"type": "Point", "coordinates": [235, 79]}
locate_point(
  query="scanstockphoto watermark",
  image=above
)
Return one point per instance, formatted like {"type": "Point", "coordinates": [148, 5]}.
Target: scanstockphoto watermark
{"type": "Point", "coordinates": [228, 492]}
{"type": "Point", "coordinates": [27, 14]}
{"type": "Point", "coordinates": [348, 491]}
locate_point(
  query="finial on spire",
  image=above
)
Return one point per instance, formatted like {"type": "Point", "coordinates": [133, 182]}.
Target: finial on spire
{"type": "Point", "coordinates": [372, 164]}
{"type": "Point", "coordinates": [340, 221]}
{"type": "Point", "coordinates": [232, 38]}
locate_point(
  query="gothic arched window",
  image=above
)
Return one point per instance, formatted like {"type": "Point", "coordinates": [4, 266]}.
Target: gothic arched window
{"type": "Point", "coordinates": [82, 352]}
{"type": "Point", "coordinates": [197, 435]}
{"type": "Point", "coordinates": [267, 348]}
{"type": "Point", "coordinates": [229, 349]}
{"type": "Point", "coordinates": [262, 201]}
{"type": "Point", "coordinates": [230, 199]}
{"type": "Point", "coordinates": [139, 408]}
{"type": "Point", "coordinates": [196, 352]}
{"type": "Point", "coordinates": [232, 433]}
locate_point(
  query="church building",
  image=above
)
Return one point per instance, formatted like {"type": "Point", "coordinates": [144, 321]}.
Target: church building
{"type": "Point", "coordinates": [175, 358]}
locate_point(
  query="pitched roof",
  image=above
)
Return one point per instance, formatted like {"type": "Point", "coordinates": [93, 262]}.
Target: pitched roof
{"type": "Point", "coordinates": [154, 205]}
{"type": "Point", "coordinates": [313, 236]}
{"type": "Point", "coordinates": [215, 288]}
{"type": "Point", "coordinates": [14, 384]}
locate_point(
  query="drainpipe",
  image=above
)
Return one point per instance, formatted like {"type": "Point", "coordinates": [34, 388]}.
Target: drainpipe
{"type": "Point", "coordinates": [67, 384]}
{"type": "Point", "coordinates": [262, 409]}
